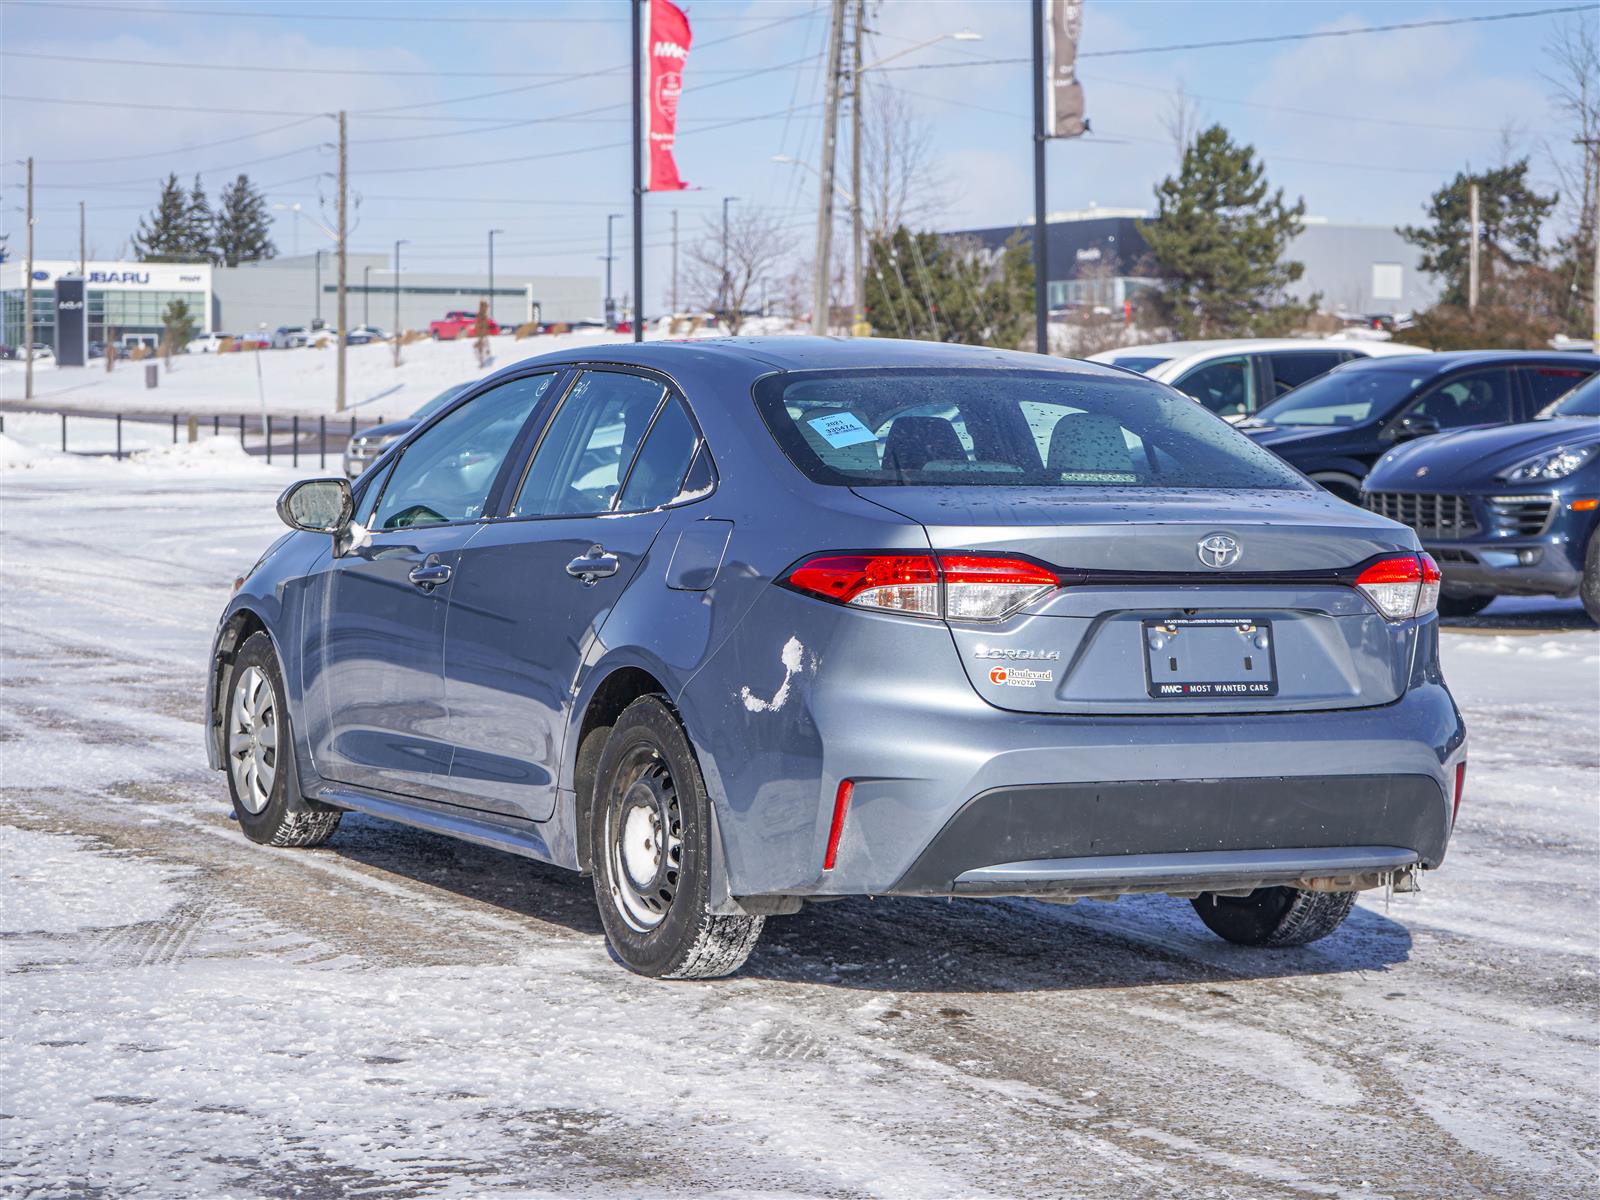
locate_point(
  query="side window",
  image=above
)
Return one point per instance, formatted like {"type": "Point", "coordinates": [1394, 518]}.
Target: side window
{"type": "Point", "coordinates": [589, 445]}
{"type": "Point", "coordinates": [1475, 398]}
{"type": "Point", "coordinates": [1550, 383]}
{"type": "Point", "coordinates": [445, 475]}
{"type": "Point", "coordinates": [1227, 386]}
{"type": "Point", "coordinates": [1291, 368]}
{"type": "Point", "coordinates": [368, 499]}
{"type": "Point", "coordinates": [663, 461]}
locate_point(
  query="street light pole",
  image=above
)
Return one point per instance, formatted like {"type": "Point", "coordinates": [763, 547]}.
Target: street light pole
{"type": "Point", "coordinates": [492, 232]}
{"type": "Point", "coordinates": [396, 332]}
{"type": "Point", "coordinates": [611, 305]}
{"type": "Point", "coordinates": [366, 295]}
{"type": "Point", "coordinates": [725, 287]}
{"type": "Point", "coordinates": [27, 303]}
{"type": "Point", "coordinates": [317, 321]}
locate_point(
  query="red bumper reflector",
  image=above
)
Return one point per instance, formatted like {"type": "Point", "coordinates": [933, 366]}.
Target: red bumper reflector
{"type": "Point", "coordinates": [1461, 786]}
{"type": "Point", "coordinates": [841, 804]}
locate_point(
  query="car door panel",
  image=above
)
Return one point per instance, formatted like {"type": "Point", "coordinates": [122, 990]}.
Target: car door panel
{"type": "Point", "coordinates": [535, 590]}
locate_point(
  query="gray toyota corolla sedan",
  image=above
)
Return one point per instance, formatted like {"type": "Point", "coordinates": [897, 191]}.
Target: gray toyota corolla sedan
{"type": "Point", "coordinates": [734, 625]}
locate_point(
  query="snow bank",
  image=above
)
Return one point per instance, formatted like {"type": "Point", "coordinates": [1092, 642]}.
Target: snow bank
{"type": "Point", "coordinates": [217, 454]}
{"type": "Point", "coordinates": [17, 454]}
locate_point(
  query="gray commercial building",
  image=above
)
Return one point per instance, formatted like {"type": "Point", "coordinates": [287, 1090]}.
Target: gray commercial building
{"type": "Point", "coordinates": [298, 290]}
{"type": "Point", "coordinates": [1098, 257]}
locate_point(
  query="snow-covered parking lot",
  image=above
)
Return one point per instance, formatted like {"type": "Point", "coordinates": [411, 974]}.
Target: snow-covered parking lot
{"type": "Point", "coordinates": [183, 1013]}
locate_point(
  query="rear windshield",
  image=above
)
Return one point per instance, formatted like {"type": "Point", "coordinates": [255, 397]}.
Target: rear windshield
{"type": "Point", "coordinates": [1345, 397]}
{"type": "Point", "coordinates": [991, 428]}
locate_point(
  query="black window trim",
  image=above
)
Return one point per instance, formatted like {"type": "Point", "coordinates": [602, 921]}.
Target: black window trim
{"type": "Point", "coordinates": [1429, 386]}
{"type": "Point", "coordinates": [671, 392]}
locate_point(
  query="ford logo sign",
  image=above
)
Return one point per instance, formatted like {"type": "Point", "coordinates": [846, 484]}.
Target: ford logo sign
{"type": "Point", "coordinates": [41, 275]}
{"type": "Point", "coordinates": [1218, 550]}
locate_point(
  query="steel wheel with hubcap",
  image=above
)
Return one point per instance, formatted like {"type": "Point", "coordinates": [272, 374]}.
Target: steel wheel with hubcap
{"type": "Point", "coordinates": [258, 743]}
{"type": "Point", "coordinates": [650, 847]}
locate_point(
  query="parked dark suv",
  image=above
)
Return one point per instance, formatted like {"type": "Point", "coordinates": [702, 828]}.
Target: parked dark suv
{"type": "Point", "coordinates": [1336, 426]}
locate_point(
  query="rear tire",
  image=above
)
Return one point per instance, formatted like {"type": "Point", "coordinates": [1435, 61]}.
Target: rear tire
{"type": "Point", "coordinates": [258, 749]}
{"type": "Point", "coordinates": [1463, 606]}
{"type": "Point", "coordinates": [1589, 588]}
{"type": "Point", "coordinates": [1274, 916]}
{"type": "Point", "coordinates": [650, 833]}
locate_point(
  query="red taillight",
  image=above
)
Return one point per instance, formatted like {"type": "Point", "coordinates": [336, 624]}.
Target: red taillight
{"type": "Point", "coordinates": [962, 587]}
{"type": "Point", "coordinates": [1401, 587]}
{"type": "Point", "coordinates": [1461, 787]}
{"type": "Point", "coordinates": [841, 805]}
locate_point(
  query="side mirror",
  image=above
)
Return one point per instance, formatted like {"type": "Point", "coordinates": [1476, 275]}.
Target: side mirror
{"type": "Point", "coordinates": [1414, 426]}
{"type": "Point", "coordinates": [317, 505]}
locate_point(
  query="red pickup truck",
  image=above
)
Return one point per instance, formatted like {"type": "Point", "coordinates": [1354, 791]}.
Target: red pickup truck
{"type": "Point", "coordinates": [459, 324]}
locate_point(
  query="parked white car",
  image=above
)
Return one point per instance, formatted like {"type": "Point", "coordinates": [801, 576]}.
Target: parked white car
{"type": "Point", "coordinates": [1235, 376]}
{"type": "Point", "coordinates": [289, 337]}
{"type": "Point", "coordinates": [206, 343]}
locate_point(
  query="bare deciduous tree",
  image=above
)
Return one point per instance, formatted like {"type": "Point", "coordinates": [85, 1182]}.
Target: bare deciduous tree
{"type": "Point", "coordinates": [1573, 53]}
{"type": "Point", "coordinates": [900, 181]}
{"type": "Point", "coordinates": [758, 242]}
{"type": "Point", "coordinates": [1183, 120]}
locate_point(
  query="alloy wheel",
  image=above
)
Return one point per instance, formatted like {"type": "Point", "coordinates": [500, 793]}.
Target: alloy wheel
{"type": "Point", "coordinates": [253, 738]}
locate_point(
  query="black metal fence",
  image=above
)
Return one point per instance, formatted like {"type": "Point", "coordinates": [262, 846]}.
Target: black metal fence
{"type": "Point", "coordinates": [292, 439]}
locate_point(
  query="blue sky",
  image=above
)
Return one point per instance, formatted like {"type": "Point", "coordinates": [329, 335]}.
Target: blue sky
{"type": "Point", "coordinates": [469, 117]}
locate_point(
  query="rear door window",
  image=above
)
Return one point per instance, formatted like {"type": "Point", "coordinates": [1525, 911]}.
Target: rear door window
{"type": "Point", "coordinates": [1546, 384]}
{"type": "Point", "coordinates": [1473, 398]}
{"type": "Point", "coordinates": [589, 445]}
{"type": "Point", "coordinates": [658, 471]}
{"type": "Point", "coordinates": [1290, 368]}
{"type": "Point", "coordinates": [1227, 386]}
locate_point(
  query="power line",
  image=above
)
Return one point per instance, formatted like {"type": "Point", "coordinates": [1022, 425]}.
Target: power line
{"type": "Point", "coordinates": [241, 137]}
{"type": "Point", "coordinates": [1258, 41]}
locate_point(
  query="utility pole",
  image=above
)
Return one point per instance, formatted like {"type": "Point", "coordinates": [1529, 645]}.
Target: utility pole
{"type": "Point", "coordinates": [1041, 243]}
{"type": "Point", "coordinates": [857, 326]}
{"type": "Point", "coordinates": [674, 262]}
{"type": "Point", "coordinates": [83, 257]}
{"type": "Point", "coordinates": [341, 329]}
{"type": "Point", "coordinates": [366, 294]}
{"type": "Point", "coordinates": [492, 232]}
{"type": "Point", "coordinates": [1593, 144]}
{"type": "Point", "coordinates": [1472, 250]}
{"type": "Point", "coordinates": [317, 314]}
{"type": "Point", "coordinates": [27, 299]}
{"type": "Point", "coordinates": [638, 173]}
{"type": "Point", "coordinates": [830, 138]}
{"type": "Point", "coordinates": [396, 333]}
{"type": "Point", "coordinates": [725, 288]}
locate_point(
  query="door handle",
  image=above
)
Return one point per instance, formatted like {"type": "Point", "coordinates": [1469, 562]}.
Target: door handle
{"type": "Point", "coordinates": [430, 575]}
{"type": "Point", "coordinates": [593, 566]}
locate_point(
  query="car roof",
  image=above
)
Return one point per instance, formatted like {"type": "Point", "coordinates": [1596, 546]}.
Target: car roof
{"type": "Point", "coordinates": [1451, 360]}
{"type": "Point", "coordinates": [792, 353]}
{"type": "Point", "coordinates": [1212, 345]}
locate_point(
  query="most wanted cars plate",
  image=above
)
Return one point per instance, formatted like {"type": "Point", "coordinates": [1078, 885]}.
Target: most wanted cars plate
{"type": "Point", "coordinates": [1209, 657]}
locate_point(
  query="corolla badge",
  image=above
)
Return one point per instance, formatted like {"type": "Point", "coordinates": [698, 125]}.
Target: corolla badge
{"type": "Point", "coordinates": [1218, 550]}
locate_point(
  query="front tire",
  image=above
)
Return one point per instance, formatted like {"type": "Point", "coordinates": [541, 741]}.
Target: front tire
{"type": "Point", "coordinates": [1589, 588]}
{"type": "Point", "coordinates": [650, 834]}
{"type": "Point", "coordinates": [259, 750]}
{"type": "Point", "coordinates": [1274, 916]}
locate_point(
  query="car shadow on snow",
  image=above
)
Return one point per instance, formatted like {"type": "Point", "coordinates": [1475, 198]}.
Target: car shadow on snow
{"type": "Point", "coordinates": [911, 944]}
{"type": "Point", "coordinates": [1524, 614]}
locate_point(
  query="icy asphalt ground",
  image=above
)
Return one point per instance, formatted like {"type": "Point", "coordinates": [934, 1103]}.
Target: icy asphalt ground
{"type": "Point", "coordinates": [183, 1013]}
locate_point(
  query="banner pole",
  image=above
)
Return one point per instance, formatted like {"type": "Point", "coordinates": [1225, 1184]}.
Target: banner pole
{"type": "Point", "coordinates": [638, 178]}
{"type": "Point", "coordinates": [1041, 254]}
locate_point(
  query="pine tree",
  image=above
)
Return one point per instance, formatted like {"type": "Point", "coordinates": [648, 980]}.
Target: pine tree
{"type": "Point", "coordinates": [920, 285]}
{"type": "Point", "coordinates": [1510, 214]}
{"type": "Point", "coordinates": [178, 327]}
{"type": "Point", "coordinates": [1218, 240]}
{"type": "Point", "coordinates": [242, 225]}
{"type": "Point", "coordinates": [164, 236]}
{"type": "Point", "coordinates": [199, 225]}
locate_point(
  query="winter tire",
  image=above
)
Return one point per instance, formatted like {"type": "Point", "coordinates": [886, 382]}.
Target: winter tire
{"type": "Point", "coordinates": [1463, 606]}
{"type": "Point", "coordinates": [1589, 589]}
{"type": "Point", "coordinates": [650, 837]}
{"type": "Point", "coordinates": [260, 755]}
{"type": "Point", "coordinates": [1274, 916]}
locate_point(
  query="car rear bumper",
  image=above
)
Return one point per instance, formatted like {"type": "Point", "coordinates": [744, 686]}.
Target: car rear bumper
{"type": "Point", "coordinates": [1202, 834]}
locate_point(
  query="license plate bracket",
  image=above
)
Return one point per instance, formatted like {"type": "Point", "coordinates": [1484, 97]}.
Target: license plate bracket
{"type": "Point", "coordinates": [1209, 657]}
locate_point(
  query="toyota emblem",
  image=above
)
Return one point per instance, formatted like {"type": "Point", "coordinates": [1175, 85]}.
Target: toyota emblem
{"type": "Point", "coordinates": [1218, 550]}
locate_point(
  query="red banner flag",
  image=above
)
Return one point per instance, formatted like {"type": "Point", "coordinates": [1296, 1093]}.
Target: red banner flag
{"type": "Point", "coordinates": [667, 52]}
